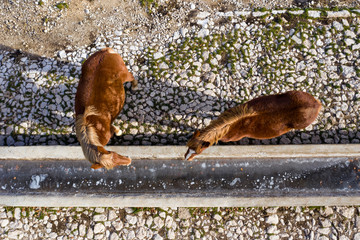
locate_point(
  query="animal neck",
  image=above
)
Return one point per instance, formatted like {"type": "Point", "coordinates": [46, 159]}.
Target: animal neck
{"type": "Point", "coordinates": [219, 127]}
{"type": "Point", "coordinates": [87, 136]}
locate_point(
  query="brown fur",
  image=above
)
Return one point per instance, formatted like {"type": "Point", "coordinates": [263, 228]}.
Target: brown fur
{"type": "Point", "coordinates": [261, 118]}
{"type": "Point", "coordinates": [220, 126]}
{"type": "Point", "coordinates": [99, 99]}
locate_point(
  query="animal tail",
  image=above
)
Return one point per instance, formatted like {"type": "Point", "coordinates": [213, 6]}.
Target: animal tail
{"type": "Point", "coordinates": [94, 152]}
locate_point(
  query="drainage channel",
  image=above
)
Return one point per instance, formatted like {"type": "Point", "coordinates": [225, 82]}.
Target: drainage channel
{"type": "Point", "coordinates": [223, 176]}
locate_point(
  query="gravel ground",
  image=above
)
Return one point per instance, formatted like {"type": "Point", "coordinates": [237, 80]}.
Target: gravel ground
{"type": "Point", "coordinates": [193, 61]}
{"type": "Point", "coordinates": [45, 26]}
{"type": "Point", "coordinates": [180, 223]}
{"type": "Point", "coordinates": [214, 61]}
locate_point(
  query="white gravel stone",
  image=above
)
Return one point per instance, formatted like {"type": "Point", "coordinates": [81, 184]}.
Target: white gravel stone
{"type": "Point", "coordinates": [157, 237]}
{"type": "Point", "coordinates": [163, 66]}
{"type": "Point", "coordinates": [82, 230]}
{"type": "Point", "coordinates": [274, 237]}
{"type": "Point", "coordinates": [214, 61]}
{"type": "Point", "coordinates": [114, 236]}
{"type": "Point", "coordinates": [99, 228]}
{"type": "Point", "coordinates": [168, 222]}
{"type": "Point", "coordinates": [272, 229]}
{"type": "Point", "coordinates": [348, 71]}
{"type": "Point", "coordinates": [347, 212]}
{"type": "Point", "coordinates": [349, 41]}
{"type": "Point", "coordinates": [141, 233]}
{"type": "Point", "coordinates": [217, 217]}
{"type": "Point", "coordinates": [203, 23]}
{"type": "Point", "coordinates": [16, 234]}
{"type": "Point", "coordinates": [17, 213]}
{"type": "Point", "coordinates": [298, 12]}
{"type": "Point", "coordinates": [4, 222]}
{"type": "Point", "coordinates": [209, 86]}
{"type": "Point", "coordinates": [99, 218]}
{"type": "Point", "coordinates": [183, 32]}
{"type": "Point", "coordinates": [272, 219]}
{"type": "Point", "coordinates": [338, 26]}
{"type": "Point", "coordinates": [338, 14]}
{"type": "Point", "coordinates": [90, 233]}
{"type": "Point", "coordinates": [350, 34]}
{"type": "Point", "coordinates": [162, 214]}
{"type": "Point", "coordinates": [203, 33]}
{"type": "Point", "coordinates": [112, 215]}
{"type": "Point", "coordinates": [296, 39]}
{"type": "Point", "coordinates": [210, 93]}
{"type": "Point", "coordinates": [356, 46]}
{"type": "Point", "coordinates": [259, 14]}
{"type": "Point", "coordinates": [171, 234]}
{"type": "Point", "coordinates": [158, 222]}
{"type": "Point", "coordinates": [118, 225]}
{"type": "Point", "coordinates": [324, 231]}
{"type": "Point", "coordinates": [118, 33]}
{"type": "Point", "coordinates": [131, 219]}
{"type": "Point", "coordinates": [183, 213]}
{"type": "Point", "coordinates": [158, 55]}
{"type": "Point", "coordinates": [314, 14]}
{"type": "Point", "coordinates": [357, 236]}
{"type": "Point", "coordinates": [202, 15]}
{"type": "Point", "coordinates": [131, 235]}
{"type": "Point", "coordinates": [243, 13]}
{"type": "Point", "coordinates": [53, 235]}
{"type": "Point", "coordinates": [62, 54]}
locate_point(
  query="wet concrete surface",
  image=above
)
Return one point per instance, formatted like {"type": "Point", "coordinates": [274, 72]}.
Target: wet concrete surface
{"type": "Point", "coordinates": [200, 178]}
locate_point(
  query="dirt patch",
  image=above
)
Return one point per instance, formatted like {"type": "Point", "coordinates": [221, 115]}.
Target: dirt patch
{"type": "Point", "coordinates": [42, 27]}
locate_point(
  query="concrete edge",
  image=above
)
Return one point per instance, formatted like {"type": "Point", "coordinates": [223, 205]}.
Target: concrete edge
{"type": "Point", "coordinates": [177, 152]}
{"type": "Point", "coordinates": [176, 201]}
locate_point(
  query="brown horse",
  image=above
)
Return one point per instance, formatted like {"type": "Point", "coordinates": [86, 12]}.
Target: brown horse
{"type": "Point", "coordinates": [99, 99]}
{"type": "Point", "coordinates": [261, 118]}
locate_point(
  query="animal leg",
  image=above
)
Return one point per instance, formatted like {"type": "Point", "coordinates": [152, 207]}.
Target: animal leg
{"type": "Point", "coordinates": [115, 130]}
{"type": "Point", "coordinates": [134, 82]}
{"type": "Point", "coordinates": [134, 85]}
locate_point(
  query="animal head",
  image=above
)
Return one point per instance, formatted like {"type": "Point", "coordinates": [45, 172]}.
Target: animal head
{"type": "Point", "coordinates": [111, 160]}
{"type": "Point", "coordinates": [196, 146]}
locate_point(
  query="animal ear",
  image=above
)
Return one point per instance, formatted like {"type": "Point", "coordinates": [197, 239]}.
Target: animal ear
{"type": "Point", "coordinates": [205, 144]}
{"type": "Point", "coordinates": [196, 133]}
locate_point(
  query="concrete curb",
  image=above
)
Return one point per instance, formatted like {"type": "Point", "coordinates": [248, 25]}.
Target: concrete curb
{"type": "Point", "coordinates": [177, 152]}
{"type": "Point", "coordinates": [176, 201]}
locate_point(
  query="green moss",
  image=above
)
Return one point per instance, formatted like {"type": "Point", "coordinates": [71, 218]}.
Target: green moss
{"type": "Point", "coordinates": [62, 5]}
{"type": "Point", "coordinates": [149, 4]}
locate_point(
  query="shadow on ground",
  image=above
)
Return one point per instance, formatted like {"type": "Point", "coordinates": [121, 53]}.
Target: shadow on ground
{"type": "Point", "coordinates": [38, 109]}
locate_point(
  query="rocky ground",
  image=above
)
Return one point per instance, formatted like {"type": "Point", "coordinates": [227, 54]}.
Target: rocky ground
{"type": "Point", "coordinates": [190, 74]}
{"type": "Point", "coordinates": [193, 60]}
{"type": "Point", "coordinates": [181, 223]}
{"type": "Point", "coordinates": [42, 27]}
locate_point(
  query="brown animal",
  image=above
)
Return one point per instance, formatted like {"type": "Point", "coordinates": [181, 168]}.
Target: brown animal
{"type": "Point", "coordinates": [99, 99]}
{"type": "Point", "coordinates": [261, 118]}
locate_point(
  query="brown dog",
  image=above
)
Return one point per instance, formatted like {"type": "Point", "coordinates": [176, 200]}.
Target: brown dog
{"type": "Point", "coordinates": [99, 99]}
{"type": "Point", "coordinates": [261, 118]}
